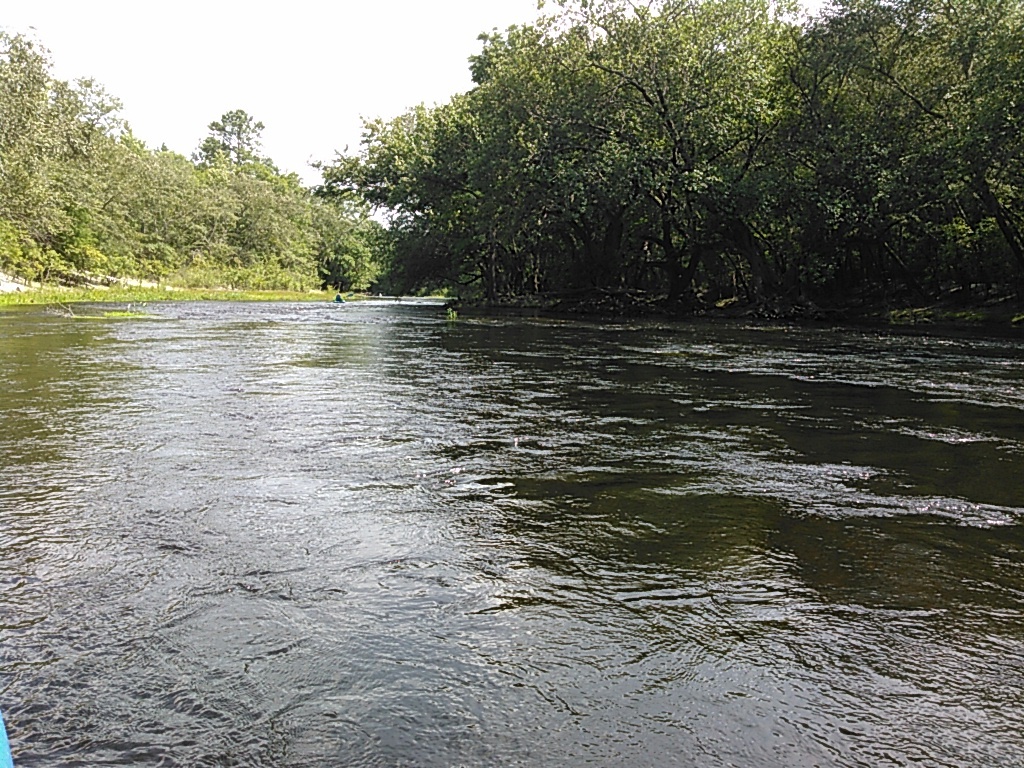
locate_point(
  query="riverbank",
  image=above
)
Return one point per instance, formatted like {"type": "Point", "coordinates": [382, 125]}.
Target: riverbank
{"type": "Point", "coordinates": [26, 295]}
{"type": "Point", "coordinates": [9, 284]}
{"type": "Point", "coordinates": [99, 288]}
{"type": "Point", "coordinates": [1000, 314]}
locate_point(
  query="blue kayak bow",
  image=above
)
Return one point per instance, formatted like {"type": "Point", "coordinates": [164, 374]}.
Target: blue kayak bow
{"type": "Point", "coordinates": [5, 748]}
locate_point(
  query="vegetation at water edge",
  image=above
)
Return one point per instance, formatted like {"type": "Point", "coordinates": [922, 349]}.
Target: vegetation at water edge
{"type": "Point", "coordinates": [685, 154]}
{"type": "Point", "coordinates": [135, 294]}
{"type": "Point", "coordinates": [667, 156]}
{"type": "Point", "coordinates": [81, 198]}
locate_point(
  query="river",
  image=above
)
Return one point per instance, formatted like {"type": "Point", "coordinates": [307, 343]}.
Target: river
{"type": "Point", "coordinates": [364, 535]}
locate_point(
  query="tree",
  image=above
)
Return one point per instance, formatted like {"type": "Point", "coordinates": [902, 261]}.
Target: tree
{"type": "Point", "coordinates": [235, 137]}
{"type": "Point", "coordinates": [713, 148]}
{"type": "Point", "coordinates": [908, 141]}
{"type": "Point", "coordinates": [35, 134]}
{"type": "Point", "coordinates": [349, 246]}
{"type": "Point", "coordinates": [49, 136]}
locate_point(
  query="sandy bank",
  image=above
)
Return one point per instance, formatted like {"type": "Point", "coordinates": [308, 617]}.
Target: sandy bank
{"type": "Point", "coordinates": [9, 284]}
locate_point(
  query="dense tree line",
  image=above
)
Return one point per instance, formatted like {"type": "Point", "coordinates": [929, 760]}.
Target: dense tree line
{"type": "Point", "coordinates": [80, 195]}
{"type": "Point", "coordinates": [704, 150]}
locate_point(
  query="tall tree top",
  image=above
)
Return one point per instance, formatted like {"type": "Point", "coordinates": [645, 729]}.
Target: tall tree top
{"type": "Point", "coordinates": [236, 136]}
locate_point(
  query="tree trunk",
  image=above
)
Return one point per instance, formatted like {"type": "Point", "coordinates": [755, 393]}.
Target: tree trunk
{"type": "Point", "coordinates": [1011, 233]}
{"type": "Point", "coordinates": [762, 277]}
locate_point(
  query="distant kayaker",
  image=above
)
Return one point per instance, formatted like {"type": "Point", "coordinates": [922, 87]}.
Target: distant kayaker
{"type": "Point", "coordinates": [338, 299]}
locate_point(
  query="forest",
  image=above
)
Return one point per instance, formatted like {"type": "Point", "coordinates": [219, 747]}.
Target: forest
{"type": "Point", "coordinates": [82, 199]}
{"type": "Point", "coordinates": [671, 154]}
{"type": "Point", "coordinates": [693, 153]}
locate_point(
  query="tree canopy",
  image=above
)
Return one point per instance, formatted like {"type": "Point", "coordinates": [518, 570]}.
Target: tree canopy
{"type": "Point", "coordinates": [709, 150]}
{"type": "Point", "coordinates": [690, 151]}
{"type": "Point", "coordinates": [80, 195]}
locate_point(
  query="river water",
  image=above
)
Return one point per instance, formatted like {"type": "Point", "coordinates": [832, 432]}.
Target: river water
{"type": "Point", "coordinates": [363, 535]}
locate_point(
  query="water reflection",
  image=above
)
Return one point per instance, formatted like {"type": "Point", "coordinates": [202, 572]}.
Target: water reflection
{"type": "Point", "coordinates": [313, 535]}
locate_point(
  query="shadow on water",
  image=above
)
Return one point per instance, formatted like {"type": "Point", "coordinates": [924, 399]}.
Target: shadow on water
{"type": "Point", "coordinates": [802, 526]}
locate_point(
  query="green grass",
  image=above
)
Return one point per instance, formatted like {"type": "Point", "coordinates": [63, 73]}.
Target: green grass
{"type": "Point", "coordinates": [133, 294]}
{"type": "Point", "coordinates": [112, 316]}
{"type": "Point", "coordinates": [968, 316]}
{"type": "Point", "coordinates": [910, 316]}
{"type": "Point", "coordinates": [126, 313]}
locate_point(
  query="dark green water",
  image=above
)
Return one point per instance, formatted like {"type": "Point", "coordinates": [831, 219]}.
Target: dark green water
{"type": "Point", "coordinates": [359, 535]}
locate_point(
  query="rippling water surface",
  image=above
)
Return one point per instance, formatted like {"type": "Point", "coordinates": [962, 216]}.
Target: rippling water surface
{"type": "Point", "coordinates": [360, 535]}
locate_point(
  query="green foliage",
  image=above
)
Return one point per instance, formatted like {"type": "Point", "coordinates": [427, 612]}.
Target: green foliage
{"type": "Point", "coordinates": [19, 254]}
{"type": "Point", "coordinates": [141, 294]}
{"type": "Point", "coordinates": [126, 313]}
{"type": "Point", "coordinates": [967, 316]}
{"type": "Point", "coordinates": [711, 150]}
{"type": "Point", "coordinates": [911, 316]}
{"type": "Point", "coordinates": [234, 138]}
{"type": "Point", "coordinates": [81, 199]}
{"type": "Point", "coordinates": [348, 248]}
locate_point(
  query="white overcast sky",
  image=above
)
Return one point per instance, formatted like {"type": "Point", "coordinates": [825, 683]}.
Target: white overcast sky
{"type": "Point", "coordinates": [308, 70]}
